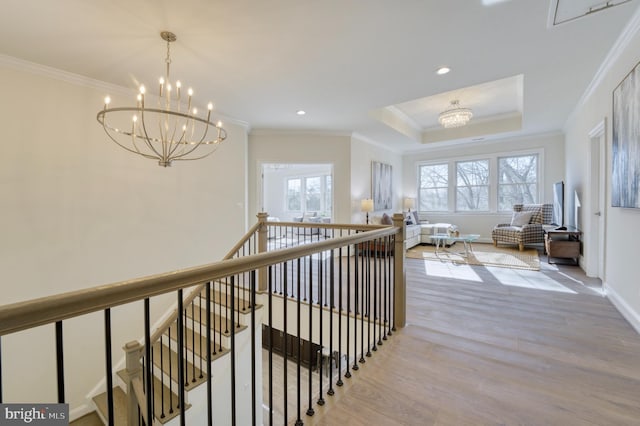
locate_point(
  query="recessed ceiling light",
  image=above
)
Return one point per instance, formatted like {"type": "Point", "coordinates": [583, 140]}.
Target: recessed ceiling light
{"type": "Point", "coordinates": [443, 70]}
{"type": "Point", "coordinates": [300, 112]}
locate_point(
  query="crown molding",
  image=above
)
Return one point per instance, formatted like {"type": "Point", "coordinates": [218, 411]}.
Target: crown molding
{"type": "Point", "coordinates": [623, 41]}
{"type": "Point", "coordinates": [362, 138]}
{"type": "Point", "coordinates": [22, 65]}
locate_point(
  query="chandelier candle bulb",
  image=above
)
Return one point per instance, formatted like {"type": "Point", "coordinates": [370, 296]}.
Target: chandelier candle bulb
{"type": "Point", "coordinates": [158, 136]}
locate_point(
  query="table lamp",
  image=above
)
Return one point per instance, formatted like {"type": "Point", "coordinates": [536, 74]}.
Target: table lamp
{"type": "Point", "coordinates": [409, 203]}
{"type": "Point", "coordinates": [366, 205]}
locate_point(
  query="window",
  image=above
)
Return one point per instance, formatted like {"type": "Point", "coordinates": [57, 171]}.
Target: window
{"type": "Point", "coordinates": [294, 194]}
{"type": "Point", "coordinates": [472, 185]}
{"type": "Point", "coordinates": [310, 194]}
{"type": "Point", "coordinates": [434, 187]}
{"type": "Point", "coordinates": [328, 195]}
{"type": "Point", "coordinates": [517, 181]}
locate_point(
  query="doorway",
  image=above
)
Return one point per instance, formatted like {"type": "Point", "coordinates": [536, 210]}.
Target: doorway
{"type": "Point", "coordinates": [597, 205]}
{"type": "Point", "coordinates": [293, 191]}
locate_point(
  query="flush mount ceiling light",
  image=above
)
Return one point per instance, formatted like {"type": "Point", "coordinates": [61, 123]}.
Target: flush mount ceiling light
{"type": "Point", "coordinates": [170, 131]}
{"type": "Point", "coordinates": [300, 112]}
{"type": "Point", "coordinates": [443, 70]}
{"type": "Point", "coordinates": [455, 116]}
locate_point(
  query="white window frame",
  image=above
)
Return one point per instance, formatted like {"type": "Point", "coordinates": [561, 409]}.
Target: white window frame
{"type": "Point", "coordinates": [435, 163]}
{"type": "Point", "coordinates": [493, 178]}
{"type": "Point", "coordinates": [303, 192]}
{"type": "Point", "coordinates": [498, 177]}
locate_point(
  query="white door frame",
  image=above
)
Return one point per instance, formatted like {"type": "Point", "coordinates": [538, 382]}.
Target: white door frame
{"type": "Point", "coordinates": [595, 229]}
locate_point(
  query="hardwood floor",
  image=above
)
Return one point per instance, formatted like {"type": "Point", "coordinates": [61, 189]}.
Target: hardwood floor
{"type": "Point", "coordinates": [495, 346]}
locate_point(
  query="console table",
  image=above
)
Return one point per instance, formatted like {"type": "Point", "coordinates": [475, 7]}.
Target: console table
{"type": "Point", "coordinates": [562, 244]}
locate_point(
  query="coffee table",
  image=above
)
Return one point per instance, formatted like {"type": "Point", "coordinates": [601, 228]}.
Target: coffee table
{"type": "Point", "coordinates": [440, 240]}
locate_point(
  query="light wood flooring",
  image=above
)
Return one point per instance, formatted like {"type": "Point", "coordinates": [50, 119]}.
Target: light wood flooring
{"type": "Point", "coordinates": [496, 346]}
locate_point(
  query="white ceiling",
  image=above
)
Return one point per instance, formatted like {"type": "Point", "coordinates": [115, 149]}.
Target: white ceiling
{"type": "Point", "coordinates": [339, 60]}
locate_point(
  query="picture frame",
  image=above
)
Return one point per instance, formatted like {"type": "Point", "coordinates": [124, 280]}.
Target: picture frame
{"type": "Point", "coordinates": [381, 186]}
{"type": "Point", "coordinates": [625, 179]}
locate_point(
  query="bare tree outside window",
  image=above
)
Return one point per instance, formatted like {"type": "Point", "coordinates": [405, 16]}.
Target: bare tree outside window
{"type": "Point", "coordinates": [294, 195]}
{"type": "Point", "coordinates": [313, 195]}
{"type": "Point", "coordinates": [434, 188]}
{"type": "Point", "coordinates": [517, 181]}
{"type": "Point", "coordinates": [472, 185]}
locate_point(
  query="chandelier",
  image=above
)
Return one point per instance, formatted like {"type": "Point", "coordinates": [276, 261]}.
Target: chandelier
{"type": "Point", "coordinates": [455, 116]}
{"type": "Point", "coordinates": [170, 131]}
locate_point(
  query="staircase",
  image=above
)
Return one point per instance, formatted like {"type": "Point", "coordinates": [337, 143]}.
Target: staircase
{"type": "Point", "coordinates": [165, 358]}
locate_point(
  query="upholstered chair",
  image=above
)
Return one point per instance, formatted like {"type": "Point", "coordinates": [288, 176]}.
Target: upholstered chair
{"type": "Point", "coordinates": [525, 227]}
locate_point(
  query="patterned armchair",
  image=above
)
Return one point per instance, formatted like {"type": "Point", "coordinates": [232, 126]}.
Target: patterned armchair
{"type": "Point", "coordinates": [530, 233]}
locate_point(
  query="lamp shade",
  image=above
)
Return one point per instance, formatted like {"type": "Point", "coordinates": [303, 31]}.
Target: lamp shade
{"type": "Point", "coordinates": [409, 203]}
{"type": "Point", "coordinates": [366, 205]}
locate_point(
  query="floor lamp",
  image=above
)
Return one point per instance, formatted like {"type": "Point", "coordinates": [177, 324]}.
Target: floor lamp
{"type": "Point", "coordinates": [366, 206]}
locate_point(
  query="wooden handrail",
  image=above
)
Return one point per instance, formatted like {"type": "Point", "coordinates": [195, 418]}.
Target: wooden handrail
{"type": "Point", "coordinates": [138, 391]}
{"type": "Point", "coordinates": [198, 290]}
{"type": "Point", "coordinates": [46, 310]}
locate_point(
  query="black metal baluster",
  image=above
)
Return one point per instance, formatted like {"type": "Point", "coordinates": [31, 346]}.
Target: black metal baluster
{"type": "Point", "coordinates": [60, 362]}
{"type": "Point", "coordinates": [376, 263]}
{"type": "Point", "coordinates": [200, 328]}
{"type": "Point", "coordinates": [108, 363]}
{"type": "Point", "coordinates": [310, 411]}
{"type": "Point", "coordinates": [181, 355]}
{"type": "Point", "coordinates": [286, 349]}
{"type": "Point", "coordinates": [170, 375]}
{"type": "Point", "coordinates": [363, 298]}
{"type": "Point", "coordinates": [331, 306]}
{"type": "Point", "coordinates": [368, 298]}
{"type": "Point", "coordinates": [162, 415]}
{"type": "Point", "coordinates": [208, 337]}
{"type": "Point", "coordinates": [347, 373]}
{"type": "Point", "coordinates": [299, 385]}
{"type": "Point", "coordinates": [147, 350]}
{"type": "Point", "coordinates": [252, 289]}
{"type": "Point", "coordinates": [270, 343]}
{"type": "Point", "coordinates": [233, 354]}
{"type": "Point", "coordinates": [193, 344]}
{"type": "Point", "coordinates": [320, 307]}
{"type": "Point", "coordinates": [392, 293]}
{"type": "Point", "coordinates": [356, 279]}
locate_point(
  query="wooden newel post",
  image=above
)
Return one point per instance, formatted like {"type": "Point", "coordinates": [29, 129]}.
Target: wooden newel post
{"type": "Point", "coordinates": [262, 247]}
{"type": "Point", "coordinates": [133, 352]}
{"type": "Point", "coordinates": [399, 277]}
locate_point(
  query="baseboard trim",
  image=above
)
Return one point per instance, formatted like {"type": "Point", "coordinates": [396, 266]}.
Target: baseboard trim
{"type": "Point", "coordinates": [79, 411]}
{"type": "Point", "coordinates": [623, 307]}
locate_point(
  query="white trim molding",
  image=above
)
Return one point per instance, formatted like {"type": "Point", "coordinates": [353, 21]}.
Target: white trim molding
{"type": "Point", "coordinates": [623, 307]}
{"type": "Point", "coordinates": [627, 35]}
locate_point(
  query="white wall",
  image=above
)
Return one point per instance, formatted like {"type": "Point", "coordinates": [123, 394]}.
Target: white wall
{"type": "Point", "coordinates": [551, 147]}
{"type": "Point", "coordinates": [78, 211]}
{"type": "Point", "coordinates": [362, 155]}
{"type": "Point", "coordinates": [287, 147]}
{"type": "Point", "coordinates": [622, 225]}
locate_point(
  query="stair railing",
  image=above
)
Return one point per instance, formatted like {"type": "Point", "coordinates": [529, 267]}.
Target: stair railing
{"type": "Point", "coordinates": [228, 274]}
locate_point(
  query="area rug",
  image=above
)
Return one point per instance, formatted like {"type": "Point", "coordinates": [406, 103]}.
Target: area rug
{"type": "Point", "coordinates": [482, 255]}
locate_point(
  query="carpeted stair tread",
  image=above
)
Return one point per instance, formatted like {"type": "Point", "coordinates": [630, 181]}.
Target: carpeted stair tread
{"type": "Point", "coordinates": [119, 406]}
{"type": "Point", "coordinates": [91, 419]}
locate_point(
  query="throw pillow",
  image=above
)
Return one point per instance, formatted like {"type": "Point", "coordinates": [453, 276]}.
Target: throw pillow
{"type": "Point", "coordinates": [386, 220]}
{"type": "Point", "coordinates": [521, 218]}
